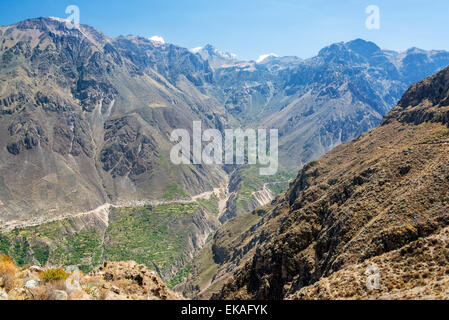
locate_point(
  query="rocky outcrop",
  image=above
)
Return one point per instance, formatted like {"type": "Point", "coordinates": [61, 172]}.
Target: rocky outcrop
{"type": "Point", "coordinates": [112, 281]}
{"type": "Point", "coordinates": [417, 271]}
{"type": "Point", "coordinates": [425, 101]}
{"type": "Point", "coordinates": [126, 149]}
{"type": "Point", "coordinates": [131, 281]}
{"type": "Point", "coordinates": [26, 134]}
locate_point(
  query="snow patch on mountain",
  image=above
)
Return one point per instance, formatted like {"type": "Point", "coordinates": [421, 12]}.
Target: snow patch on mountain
{"type": "Point", "coordinates": [157, 39]}
{"type": "Point", "coordinates": [265, 56]}
{"type": "Point", "coordinates": [196, 50]}
{"type": "Point", "coordinates": [211, 51]}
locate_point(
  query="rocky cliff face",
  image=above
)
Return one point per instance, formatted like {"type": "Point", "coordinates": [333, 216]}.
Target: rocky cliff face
{"type": "Point", "coordinates": [86, 119]}
{"type": "Point", "coordinates": [381, 199]}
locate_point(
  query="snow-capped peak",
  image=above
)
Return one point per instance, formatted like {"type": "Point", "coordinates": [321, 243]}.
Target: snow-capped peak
{"type": "Point", "coordinates": [157, 39]}
{"type": "Point", "coordinates": [209, 50]}
{"type": "Point", "coordinates": [196, 50]}
{"type": "Point", "coordinates": [265, 56]}
{"type": "Point", "coordinates": [58, 19]}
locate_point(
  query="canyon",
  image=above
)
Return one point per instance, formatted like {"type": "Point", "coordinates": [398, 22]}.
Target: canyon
{"type": "Point", "coordinates": [86, 176]}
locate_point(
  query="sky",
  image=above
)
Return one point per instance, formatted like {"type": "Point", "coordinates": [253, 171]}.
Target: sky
{"type": "Point", "coordinates": [250, 28]}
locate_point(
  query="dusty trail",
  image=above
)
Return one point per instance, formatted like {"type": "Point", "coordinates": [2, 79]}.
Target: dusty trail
{"type": "Point", "coordinates": [263, 196]}
{"type": "Point", "coordinates": [102, 212]}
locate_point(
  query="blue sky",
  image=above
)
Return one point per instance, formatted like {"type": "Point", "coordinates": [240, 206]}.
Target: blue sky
{"type": "Point", "coordinates": [250, 28]}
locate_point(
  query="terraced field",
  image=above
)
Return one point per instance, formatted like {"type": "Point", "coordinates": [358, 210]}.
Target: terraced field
{"type": "Point", "coordinates": [161, 237]}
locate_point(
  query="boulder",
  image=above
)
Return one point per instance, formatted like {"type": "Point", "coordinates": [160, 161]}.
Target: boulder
{"type": "Point", "coordinates": [115, 289]}
{"type": "Point", "coordinates": [58, 295]}
{"type": "Point", "coordinates": [32, 284]}
{"type": "Point", "coordinates": [3, 294]}
{"type": "Point", "coordinates": [71, 269]}
{"type": "Point", "coordinates": [72, 283]}
{"type": "Point", "coordinates": [36, 269]}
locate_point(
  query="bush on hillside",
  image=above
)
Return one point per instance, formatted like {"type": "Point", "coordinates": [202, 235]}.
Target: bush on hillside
{"type": "Point", "coordinates": [54, 275]}
{"type": "Point", "coordinates": [8, 272]}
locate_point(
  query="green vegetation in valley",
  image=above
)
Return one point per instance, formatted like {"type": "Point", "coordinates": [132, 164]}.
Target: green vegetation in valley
{"type": "Point", "coordinates": [55, 243]}
{"type": "Point", "coordinates": [156, 236]}
{"type": "Point", "coordinates": [41, 252]}
{"type": "Point", "coordinates": [174, 192]}
{"type": "Point", "coordinates": [252, 181]}
{"type": "Point", "coordinates": [5, 244]}
{"type": "Point", "coordinates": [180, 277]}
{"type": "Point", "coordinates": [19, 251]}
{"type": "Point", "coordinates": [149, 235]}
{"type": "Point", "coordinates": [83, 249]}
{"type": "Point", "coordinates": [211, 204]}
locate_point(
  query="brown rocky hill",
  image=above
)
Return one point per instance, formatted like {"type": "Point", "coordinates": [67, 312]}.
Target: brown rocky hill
{"type": "Point", "coordinates": [381, 199]}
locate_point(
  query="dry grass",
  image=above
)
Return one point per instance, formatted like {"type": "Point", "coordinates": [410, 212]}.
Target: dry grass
{"type": "Point", "coordinates": [41, 293]}
{"type": "Point", "coordinates": [44, 292]}
{"type": "Point", "coordinates": [102, 294]}
{"type": "Point", "coordinates": [8, 273]}
{"type": "Point", "coordinates": [416, 271]}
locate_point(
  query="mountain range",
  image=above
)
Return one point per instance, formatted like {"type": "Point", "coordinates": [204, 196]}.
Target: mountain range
{"type": "Point", "coordinates": [323, 101]}
{"type": "Point", "coordinates": [85, 124]}
{"type": "Point", "coordinates": [88, 117]}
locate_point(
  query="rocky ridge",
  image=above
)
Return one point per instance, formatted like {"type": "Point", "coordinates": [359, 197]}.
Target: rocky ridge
{"type": "Point", "coordinates": [111, 281]}
{"type": "Point", "coordinates": [378, 200]}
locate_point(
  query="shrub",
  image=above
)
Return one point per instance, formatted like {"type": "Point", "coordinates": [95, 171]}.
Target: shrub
{"type": "Point", "coordinates": [54, 275]}
{"type": "Point", "coordinates": [8, 272]}
{"type": "Point", "coordinates": [5, 259]}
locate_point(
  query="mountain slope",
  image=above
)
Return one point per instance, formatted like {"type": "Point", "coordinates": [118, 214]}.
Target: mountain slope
{"type": "Point", "coordinates": [323, 101]}
{"type": "Point", "coordinates": [216, 58]}
{"type": "Point", "coordinates": [382, 198]}
{"type": "Point", "coordinates": [88, 118]}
